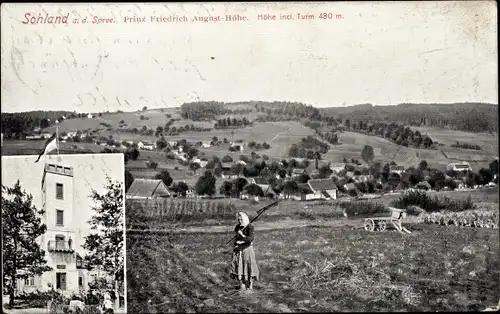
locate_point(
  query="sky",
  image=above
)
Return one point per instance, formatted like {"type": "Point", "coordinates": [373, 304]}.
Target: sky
{"type": "Point", "coordinates": [384, 53]}
{"type": "Point", "coordinates": [89, 172]}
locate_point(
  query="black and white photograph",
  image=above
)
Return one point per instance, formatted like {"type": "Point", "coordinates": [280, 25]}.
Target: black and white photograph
{"type": "Point", "coordinates": [63, 233]}
{"type": "Point", "coordinates": [276, 156]}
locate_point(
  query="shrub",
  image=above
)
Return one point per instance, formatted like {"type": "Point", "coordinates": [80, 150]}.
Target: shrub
{"type": "Point", "coordinates": [432, 204]}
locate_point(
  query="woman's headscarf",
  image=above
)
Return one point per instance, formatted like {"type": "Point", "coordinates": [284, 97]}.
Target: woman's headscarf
{"type": "Point", "coordinates": [244, 217]}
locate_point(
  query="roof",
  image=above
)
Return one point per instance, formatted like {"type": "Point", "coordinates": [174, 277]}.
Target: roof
{"type": "Point", "coordinates": [424, 183]}
{"type": "Point", "coordinates": [228, 172]}
{"type": "Point", "coordinates": [146, 187]}
{"type": "Point", "coordinates": [337, 165]}
{"type": "Point", "coordinates": [226, 164]}
{"type": "Point", "coordinates": [321, 184]}
{"type": "Point", "coordinates": [260, 181]}
{"type": "Point", "coordinates": [305, 188]}
{"type": "Point", "coordinates": [349, 174]}
{"type": "Point", "coordinates": [464, 163]}
{"type": "Point", "coordinates": [350, 186]}
{"type": "Point", "coordinates": [397, 168]}
{"type": "Point", "coordinates": [146, 142]}
{"type": "Point", "coordinates": [298, 170]}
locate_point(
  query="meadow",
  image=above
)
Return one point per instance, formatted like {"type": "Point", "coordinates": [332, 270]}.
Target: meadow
{"type": "Point", "coordinates": [487, 141]}
{"type": "Point", "coordinates": [385, 151]}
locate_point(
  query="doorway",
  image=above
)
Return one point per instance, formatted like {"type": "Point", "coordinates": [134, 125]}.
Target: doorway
{"type": "Point", "coordinates": [61, 281]}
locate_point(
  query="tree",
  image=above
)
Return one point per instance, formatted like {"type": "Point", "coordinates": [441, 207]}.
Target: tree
{"type": "Point", "coordinates": [144, 108]}
{"type": "Point", "coordinates": [194, 166]}
{"type": "Point", "coordinates": [21, 225]}
{"type": "Point", "coordinates": [161, 143]}
{"type": "Point", "coordinates": [226, 188]}
{"type": "Point", "coordinates": [423, 165]}
{"type": "Point", "coordinates": [254, 189]}
{"type": "Point", "coordinates": [164, 175]}
{"type": "Point", "coordinates": [152, 164]}
{"type": "Point", "coordinates": [179, 187]}
{"type": "Point", "coordinates": [129, 178]}
{"type": "Point", "coordinates": [290, 187]}
{"type": "Point", "coordinates": [367, 154]}
{"type": "Point", "coordinates": [133, 153]}
{"type": "Point", "coordinates": [227, 158]}
{"type": "Point", "coordinates": [104, 244]}
{"type": "Point", "coordinates": [206, 184]}
{"type": "Point", "coordinates": [494, 167]}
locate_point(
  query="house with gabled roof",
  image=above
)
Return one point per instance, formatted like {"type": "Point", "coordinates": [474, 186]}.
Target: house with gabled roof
{"type": "Point", "coordinates": [323, 188]}
{"type": "Point", "coordinates": [459, 166]}
{"type": "Point", "coordinates": [226, 165]}
{"type": "Point", "coordinates": [298, 172]}
{"type": "Point", "coordinates": [397, 169]}
{"type": "Point", "coordinates": [228, 174]}
{"type": "Point", "coordinates": [337, 167]}
{"type": "Point", "coordinates": [147, 145]}
{"type": "Point", "coordinates": [261, 182]}
{"type": "Point", "coordinates": [147, 189]}
{"type": "Point", "coordinates": [350, 187]}
{"type": "Point", "coordinates": [303, 193]}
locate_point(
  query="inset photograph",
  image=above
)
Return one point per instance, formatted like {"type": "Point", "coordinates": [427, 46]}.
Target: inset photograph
{"type": "Point", "coordinates": [63, 233]}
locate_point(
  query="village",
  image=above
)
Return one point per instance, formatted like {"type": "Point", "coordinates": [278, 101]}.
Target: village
{"type": "Point", "coordinates": [254, 176]}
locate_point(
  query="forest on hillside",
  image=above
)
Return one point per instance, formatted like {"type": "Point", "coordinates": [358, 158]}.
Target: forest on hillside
{"type": "Point", "coordinates": [18, 123]}
{"type": "Point", "coordinates": [469, 117]}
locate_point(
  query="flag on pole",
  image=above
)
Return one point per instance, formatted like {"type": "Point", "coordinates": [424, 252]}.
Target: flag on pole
{"type": "Point", "coordinates": [50, 145]}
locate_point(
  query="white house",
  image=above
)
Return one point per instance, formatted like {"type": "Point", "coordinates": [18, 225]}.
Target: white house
{"type": "Point", "coordinates": [89, 116]}
{"type": "Point", "coordinates": [71, 134]}
{"type": "Point", "coordinates": [206, 144]}
{"type": "Point", "coordinates": [337, 167]}
{"type": "Point", "coordinates": [46, 135]}
{"type": "Point", "coordinates": [298, 172]}
{"type": "Point", "coordinates": [202, 163]}
{"type": "Point", "coordinates": [323, 188]}
{"type": "Point", "coordinates": [397, 169]}
{"type": "Point", "coordinates": [33, 137]}
{"type": "Point", "coordinates": [146, 145]}
{"type": "Point", "coordinates": [459, 166]}
{"type": "Point", "coordinates": [63, 239]}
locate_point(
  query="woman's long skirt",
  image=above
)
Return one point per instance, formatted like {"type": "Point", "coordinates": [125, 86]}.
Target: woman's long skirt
{"type": "Point", "coordinates": [244, 265]}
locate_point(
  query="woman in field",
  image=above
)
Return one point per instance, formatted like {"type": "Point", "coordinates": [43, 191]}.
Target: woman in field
{"type": "Point", "coordinates": [244, 266]}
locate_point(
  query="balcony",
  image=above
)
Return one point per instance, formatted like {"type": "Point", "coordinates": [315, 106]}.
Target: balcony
{"type": "Point", "coordinates": [60, 246]}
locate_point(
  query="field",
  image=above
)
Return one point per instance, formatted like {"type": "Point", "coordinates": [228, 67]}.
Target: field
{"type": "Point", "coordinates": [318, 269]}
{"type": "Point", "coordinates": [311, 259]}
{"type": "Point", "coordinates": [488, 142]}
{"type": "Point", "coordinates": [385, 151]}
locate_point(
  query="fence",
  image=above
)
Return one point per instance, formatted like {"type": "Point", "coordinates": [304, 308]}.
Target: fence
{"type": "Point", "coordinates": [63, 309]}
{"type": "Point", "coordinates": [175, 209]}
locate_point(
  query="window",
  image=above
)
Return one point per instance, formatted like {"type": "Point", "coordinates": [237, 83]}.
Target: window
{"type": "Point", "coordinates": [59, 217]}
{"type": "Point", "coordinates": [30, 281]}
{"type": "Point", "coordinates": [59, 242]}
{"type": "Point", "coordinates": [59, 191]}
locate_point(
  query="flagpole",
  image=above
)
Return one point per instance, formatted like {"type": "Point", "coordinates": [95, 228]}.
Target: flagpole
{"type": "Point", "coordinates": [57, 139]}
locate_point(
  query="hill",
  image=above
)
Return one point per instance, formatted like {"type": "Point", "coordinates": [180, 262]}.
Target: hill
{"type": "Point", "coordinates": [473, 117]}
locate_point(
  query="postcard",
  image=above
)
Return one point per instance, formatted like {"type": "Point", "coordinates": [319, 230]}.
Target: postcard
{"type": "Point", "coordinates": [275, 156]}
